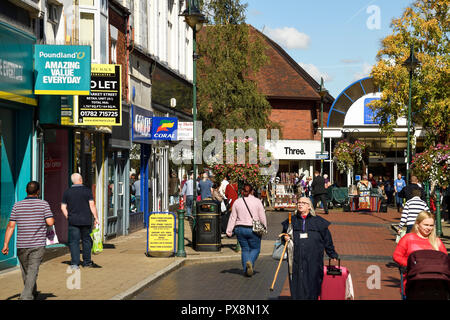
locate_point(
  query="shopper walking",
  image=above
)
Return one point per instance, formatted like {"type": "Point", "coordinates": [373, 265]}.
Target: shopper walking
{"type": "Point", "coordinates": [311, 237]}
{"type": "Point", "coordinates": [188, 193]}
{"type": "Point", "coordinates": [31, 216]}
{"type": "Point", "coordinates": [412, 208]}
{"type": "Point", "coordinates": [78, 207]}
{"type": "Point", "coordinates": [413, 185]}
{"type": "Point", "coordinates": [422, 237]}
{"type": "Point", "coordinates": [205, 187]}
{"type": "Point", "coordinates": [319, 192]}
{"type": "Point", "coordinates": [244, 211]}
{"type": "Point", "coordinates": [399, 184]}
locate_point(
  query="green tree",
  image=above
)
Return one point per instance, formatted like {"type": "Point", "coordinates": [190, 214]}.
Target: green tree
{"type": "Point", "coordinates": [426, 26]}
{"type": "Point", "coordinates": [228, 98]}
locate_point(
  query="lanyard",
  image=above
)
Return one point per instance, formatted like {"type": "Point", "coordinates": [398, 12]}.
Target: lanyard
{"type": "Point", "coordinates": [303, 225]}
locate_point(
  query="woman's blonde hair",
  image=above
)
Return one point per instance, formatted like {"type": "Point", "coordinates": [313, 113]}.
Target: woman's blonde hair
{"type": "Point", "coordinates": [432, 237]}
{"type": "Point", "coordinates": [311, 208]}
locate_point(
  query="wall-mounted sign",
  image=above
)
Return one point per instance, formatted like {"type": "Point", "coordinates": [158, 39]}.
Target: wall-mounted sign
{"type": "Point", "coordinates": [141, 121]}
{"type": "Point", "coordinates": [369, 115]}
{"type": "Point", "coordinates": [161, 234]}
{"type": "Point", "coordinates": [103, 107]}
{"type": "Point", "coordinates": [62, 70]}
{"type": "Point", "coordinates": [164, 128]}
{"type": "Point", "coordinates": [16, 65]}
{"type": "Point", "coordinates": [294, 149]}
{"type": "Point", "coordinates": [185, 131]}
{"type": "Point", "coordinates": [67, 111]}
{"type": "Point", "coordinates": [52, 165]}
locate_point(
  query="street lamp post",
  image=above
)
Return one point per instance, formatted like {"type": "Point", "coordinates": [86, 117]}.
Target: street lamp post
{"type": "Point", "coordinates": [195, 19]}
{"type": "Point", "coordinates": [411, 63]}
{"type": "Point", "coordinates": [322, 93]}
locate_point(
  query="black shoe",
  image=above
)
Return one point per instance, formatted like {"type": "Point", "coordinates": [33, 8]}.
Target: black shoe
{"type": "Point", "coordinates": [91, 265]}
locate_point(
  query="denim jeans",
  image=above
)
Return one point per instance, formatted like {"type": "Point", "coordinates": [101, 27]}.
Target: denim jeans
{"type": "Point", "coordinates": [77, 233]}
{"type": "Point", "coordinates": [250, 245]}
{"type": "Point", "coordinates": [189, 204]}
{"type": "Point", "coordinates": [398, 200]}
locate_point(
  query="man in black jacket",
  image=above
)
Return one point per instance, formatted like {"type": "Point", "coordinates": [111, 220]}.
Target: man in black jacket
{"type": "Point", "coordinates": [413, 185]}
{"type": "Point", "coordinates": [319, 191]}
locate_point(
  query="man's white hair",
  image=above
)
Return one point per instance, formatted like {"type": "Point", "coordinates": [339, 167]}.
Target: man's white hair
{"type": "Point", "coordinates": [76, 178]}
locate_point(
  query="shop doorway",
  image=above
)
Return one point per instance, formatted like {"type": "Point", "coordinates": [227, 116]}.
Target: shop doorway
{"type": "Point", "coordinates": [56, 175]}
{"type": "Point", "coordinates": [117, 204]}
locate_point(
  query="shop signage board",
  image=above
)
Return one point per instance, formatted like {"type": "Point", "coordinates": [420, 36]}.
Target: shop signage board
{"type": "Point", "coordinates": [161, 234]}
{"type": "Point", "coordinates": [164, 128]}
{"type": "Point", "coordinates": [322, 156]}
{"type": "Point", "coordinates": [185, 131]}
{"type": "Point", "coordinates": [141, 122]}
{"type": "Point", "coordinates": [294, 149]}
{"type": "Point", "coordinates": [62, 69]}
{"type": "Point", "coordinates": [67, 111]}
{"type": "Point", "coordinates": [103, 107]}
{"type": "Point", "coordinates": [16, 65]}
{"type": "Point", "coordinates": [369, 115]}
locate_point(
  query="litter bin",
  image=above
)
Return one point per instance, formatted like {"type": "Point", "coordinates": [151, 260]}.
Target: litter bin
{"type": "Point", "coordinates": [206, 230]}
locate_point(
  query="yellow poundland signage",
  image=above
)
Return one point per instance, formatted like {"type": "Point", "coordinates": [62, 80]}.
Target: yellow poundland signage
{"type": "Point", "coordinates": [161, 233]}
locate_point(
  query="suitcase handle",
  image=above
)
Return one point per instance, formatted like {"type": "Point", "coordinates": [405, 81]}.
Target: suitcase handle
{"type": "Point", "coordinates": [333, 270]}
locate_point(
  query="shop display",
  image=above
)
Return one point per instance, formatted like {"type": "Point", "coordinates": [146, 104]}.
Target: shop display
{"type": "Point", "coordinates": [283, 192]}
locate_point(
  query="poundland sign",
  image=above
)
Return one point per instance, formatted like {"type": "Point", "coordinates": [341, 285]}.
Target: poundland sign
{"type": "Point", "coordinates": [62, 70]}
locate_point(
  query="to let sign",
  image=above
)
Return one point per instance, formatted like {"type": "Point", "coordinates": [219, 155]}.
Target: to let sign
{"type": "Point", "coordinates": [62, 70]}
{"type": "Point", "coordinates": [104, 105]}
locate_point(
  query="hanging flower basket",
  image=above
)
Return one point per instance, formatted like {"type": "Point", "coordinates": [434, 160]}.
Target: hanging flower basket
{"type": "Point", "coordinates": [433, 165]}
{"type": "Point", "coordinates": [347, 154]}
{"type": "Point", "coordinates": [245, 172]}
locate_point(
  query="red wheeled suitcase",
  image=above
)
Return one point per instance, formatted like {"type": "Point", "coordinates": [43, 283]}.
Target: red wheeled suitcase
{"type": "Point", "coordinates": [334, 284]}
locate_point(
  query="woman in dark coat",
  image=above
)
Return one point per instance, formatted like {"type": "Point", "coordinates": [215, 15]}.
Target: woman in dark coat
{"type": "Point", "coordinates": [311, 237]}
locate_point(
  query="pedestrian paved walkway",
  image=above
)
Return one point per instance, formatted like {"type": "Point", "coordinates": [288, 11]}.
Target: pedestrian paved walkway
{"type": "Point", "coordinates": [361, 240]}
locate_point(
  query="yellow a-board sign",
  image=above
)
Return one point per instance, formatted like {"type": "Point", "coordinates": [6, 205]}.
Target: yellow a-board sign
{"type": "Point", "coordinates": [161, 234]}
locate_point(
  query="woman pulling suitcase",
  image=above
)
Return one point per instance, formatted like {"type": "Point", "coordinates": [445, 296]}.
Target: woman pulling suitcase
{"type": "Point", "coordinates": [309, 237]}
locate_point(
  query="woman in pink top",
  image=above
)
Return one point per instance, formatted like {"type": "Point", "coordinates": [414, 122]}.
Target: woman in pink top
{"type": "Point", "coordinates": [422, 237]}
{"type": "Point", "coordinates": [241, 223]}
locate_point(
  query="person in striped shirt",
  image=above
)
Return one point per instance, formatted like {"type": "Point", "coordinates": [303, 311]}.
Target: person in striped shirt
{"type": "Point", "coordinates": [32, 216]}
{"type": "Point", "coordinates": [412, 208]}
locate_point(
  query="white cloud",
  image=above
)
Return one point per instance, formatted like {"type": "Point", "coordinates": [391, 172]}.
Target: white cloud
{"type": "Point", "coordinates": [289, 38]}
{"type": "Point", "coordinates": [365, 72]}
{"type": "Point", "coordinates": [314, 72]}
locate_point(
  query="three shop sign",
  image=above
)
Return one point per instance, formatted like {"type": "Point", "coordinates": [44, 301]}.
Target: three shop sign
{"type": "Point", "coordinates": [62, 69]}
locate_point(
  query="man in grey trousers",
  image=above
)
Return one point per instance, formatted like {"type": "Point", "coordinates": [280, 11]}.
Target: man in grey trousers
{"type": "Point", "coordinates": [32, 216]}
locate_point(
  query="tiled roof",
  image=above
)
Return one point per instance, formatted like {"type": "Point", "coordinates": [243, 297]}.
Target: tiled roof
{"type": "Point", "coordinates": [282, 77]}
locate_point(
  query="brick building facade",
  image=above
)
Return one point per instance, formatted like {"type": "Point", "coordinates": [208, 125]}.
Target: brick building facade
{"type": "Point", "coordinates": [293, 95]}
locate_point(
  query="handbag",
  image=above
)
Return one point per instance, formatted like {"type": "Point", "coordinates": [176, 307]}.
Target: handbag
{"type": "Point", "coordinates": [223, 207]}
{"type": "Point", "coordinates": [278, 248]}
{"type": "Point", "coordinates": [257, 227]}
{"type": "Point", "coordinates": [399, 236]}
{"type": "Point", "coordinates": [51, 236]}
{"type": "Point", "coordinates": [96, 236]}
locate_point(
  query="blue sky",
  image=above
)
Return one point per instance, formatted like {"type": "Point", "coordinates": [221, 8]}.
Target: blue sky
{"type": "Point", "coordinates": [337, 40]}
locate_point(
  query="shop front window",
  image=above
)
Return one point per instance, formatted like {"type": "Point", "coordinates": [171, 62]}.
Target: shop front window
{"type": "Point", "coordinates": [85, 160]}
{"type": "Point", "coordinates": [56, 175]}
